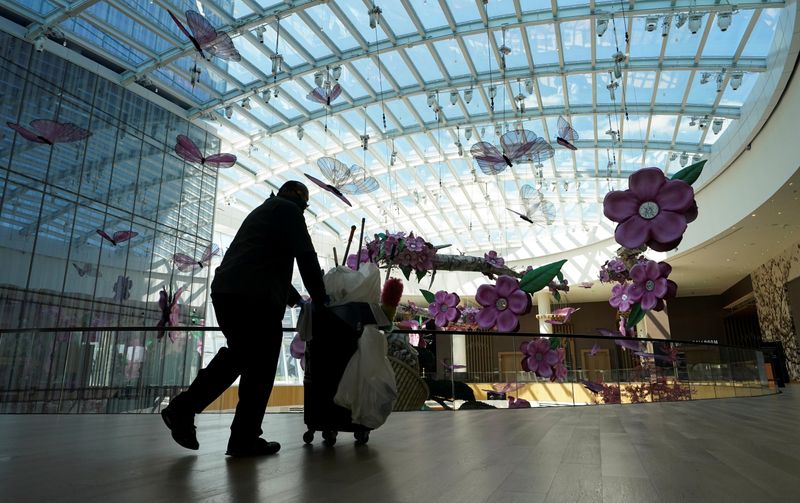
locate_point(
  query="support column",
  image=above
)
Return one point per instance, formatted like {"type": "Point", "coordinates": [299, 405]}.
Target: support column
{"type": "Point", "coordinates": [543, 303]}
{"type": "Point", "coordinates": [459, 351]}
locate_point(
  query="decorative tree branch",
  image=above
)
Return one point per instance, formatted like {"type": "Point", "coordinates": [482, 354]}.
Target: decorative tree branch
{"type": "Point", "coordinates": [472, 264]}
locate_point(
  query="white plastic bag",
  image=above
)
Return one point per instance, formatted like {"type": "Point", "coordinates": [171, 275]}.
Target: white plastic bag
{"type": "Point", "coordinates": [343, 284]}
{"type": "Point", "coordinates": [368, 386]}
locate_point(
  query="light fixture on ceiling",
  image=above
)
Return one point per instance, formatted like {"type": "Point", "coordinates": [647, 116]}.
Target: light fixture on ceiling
{"type": "Point", "coordinates": [716, 125]}
{"type": "Point", "coordinates": [602, 25]}
{"type": "Point", "coordinates": [275, 92]}
{"type": "Point", "coordinates": [614, 136]}
{"type": "Point", "coordinates": [365, 141]}
{"type": "Point", "coordinates": [538, 171]}
{"type": "Point", "coordinates": [695, 159]}
{"type": "Point", "coordinates": [724, 20]}
{"type": "Point", "coordinates": [736, 80]}
{"type": "Point", "coordinates": [692, 121]}
{"type": "Point", "coordinates": [468, 133]}
{"type": "Point", "coordinates": [504, 50]}
{"type": "Point", "coordinates": [468, 95]}
{"type": "Point", "coordinates": [229, 111]}
{"type": "Point", "coordinates": [680, 19]}
{"type": "Point", "coordinates": [195, 78]}
{"type": "Point", "coordinates": [319, 78]}
{"type": "Point", "coordinates": [260, 33]}
{"type": "Point", "coordinates": [703, 123]}
{"type": "Point", "coordinates": [300, 132]}
{"type": "Point", "coordinates": [721, 81]}
{"type": "Point", "coordinates": [246, 104]}
{"type": "Point", "coordinates": [498, 130]}
{"type": "Point", "coordinates": [704, 77]}
{"type": "Point", "coordinates": [460, 149]}
{"type": "Point", "coordinates": [610, 165]}
{"type": "Point", "coordinates": [374, 16]}
{"type": "Point", "coordinates": [619, 58]}
{"type": "Point", "coordinates": [611, 88]}
{"type": "Point", "coordinates": [695, 22]}
{"type": "Point", "coordinates": [684, 159]}
{"type": "Point", "coordinates": [453, 97]}
{"type": "Point", "coordinates": [492, 92]}
{"type": "Point", "coordinates": [665, 23]}
{"type": "Point", "coordinates": [431, 98]}
{"type": "Point", "coordinates": [651, 23]}
{"type": "Point", "coordinates": [336, 73]}
{"type": "Point", "coordinates": [393, 158]}
{"type": "Point", "coordinates": [38, 43]}
{"type": "Point", "coordinates": [520, 99]}
{"type": "Point", "coordinates": [529, 86]}
{"type": "Point", "coordinates": [673, 156]}
{"type": "Point", "coordinates": [277, 63]}
{"type": "Point", "coordinates": [266, 95]}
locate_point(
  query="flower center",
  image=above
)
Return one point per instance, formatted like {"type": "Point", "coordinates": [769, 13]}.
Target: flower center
{"type": "Point", "coordinates": [501, 304]}
{"type": "Point", "coordinates": [624, 296]}
{"type": "Point", "coordinates": [650, 285]}
{"type": "Point", "coordinates": [539, 357]}
{"type": "Point", "coordinates": [648, 210]}
{"type": "Point", "coordinates": [443, 308]}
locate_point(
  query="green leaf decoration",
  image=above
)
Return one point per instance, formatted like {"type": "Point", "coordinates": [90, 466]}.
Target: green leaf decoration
{"type": "Point", "coordinates": [420, 274]}
{"type": "Point", "coordinates": [557, 295]}
{"type": "Point", "coordinates": [560, 276]}
{"type": "Point", "coordinates": [433, 275]}
{"type": "Point", "coordinates": [428, 296]}
{"type": "Point", "coordinates": [555, 342]}
{"type": "Point", "coordinates": [691, 173]}
{"type": "Point", "coordinates": [637, 315]}
{"type": "Point", "coordinates": [406, 270]}
{"type": "Point", "coordinates": [538, 278]}
{"type": "Point", "coordinates": [381, 236]}
{"type": "Point", "coordinates": [401, 245]}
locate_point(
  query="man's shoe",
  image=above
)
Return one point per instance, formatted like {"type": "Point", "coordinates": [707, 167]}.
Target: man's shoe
{"type": "Point", "coordinates": [182, 428]}
{"type": "Point", "coordinates": [260, 447]}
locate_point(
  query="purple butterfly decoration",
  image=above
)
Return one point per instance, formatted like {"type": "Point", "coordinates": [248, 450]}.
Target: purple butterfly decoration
{"type": "Point", "coordinates": [190, 152]}
{"type": "Point", "coordinates": [170, 311]}
{"type": "Point", "coordinates": [122, 288]}
{"type": "Point", "coordinates": [325, 94]}
{"type": "Point", "coordinates": [518, 403]}
{"type": "Point", "coordinates": [595, 349]}
{"type": "Point", "coordinates": [205, 38]}
{"type": "Point", "coordinates": [631, 344]}
{"type": "Point", "coordinates": [562, 315]}
{"type": "Point", "coordinates": [118, 237]}
{"type": "Point", "coordinates": [516, 146]}
{"type": "Point", "coordinates": [566, 135]}
{"type": "Point", "coordinates": [344, 180]}
{"type": "Point", "coordinates": [87, 268]}
{"type": "Point", "coordinates": [49, 132]}
{"type": "Point", "coordinates": [538, 211]}
{"type": "Point", "coordinates": [186, 263]}
{"type": "Point", "coordinates": [451, 367]}
{"type": "Point", "coordinates": [594, 387]}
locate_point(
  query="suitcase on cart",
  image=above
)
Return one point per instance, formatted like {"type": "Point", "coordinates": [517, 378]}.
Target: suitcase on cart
{"type": "Point", "coordinates": [335, 334]}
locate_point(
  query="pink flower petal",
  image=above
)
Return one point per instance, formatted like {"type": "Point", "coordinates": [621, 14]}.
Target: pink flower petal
{"type": "Point", "coordinates": [662, 247]}
{"type": "Point", "coordinates": [675, 195]}
{"type": "Point", "coordinates": [506, 286]}
{"type": "Point", "coordinates": [440, 296]}
{"type": "Point", "coordinates": [486, 296]}
{"type": "Point", "coordinates": [639, 273]}
{"type": "Point", "coordinates": [664, 269]}
{"type": "Point", "coordinates": [519, 302]}
{"type": "Point", "coordinates": [672, 289]}
{"type": "Point", "coordinates": [651, 269]}
{"type": "Point", "coordinates": [667, 226]}
{"type": "Point", "coordinates": [454, 314]}
{"type": "Point", "coordinates": [691, 213]}
{"type": "Point", "coordinates": [507, 321]}
{"type": "Point", "coordinates": [633, 232]}
{"type": "Point", "coordinates": [486, 317]}
{"type": "Point", "coordinates": [648, 301]}
{"type": "Point", "coordinates": [544, 370]}
{"type": "Point", "coordinates": [646, 183]}
{"type": "Point", "coordinates": [635, 292]}
{"type": "Point", "coordinates": [452, 299]}
{"type": "Point", "coordinates": [618, 205]}
{"type": "Point", "coordinates": [551, 357]}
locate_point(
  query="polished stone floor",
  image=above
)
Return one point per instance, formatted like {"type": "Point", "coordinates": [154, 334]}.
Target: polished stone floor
{"type": "Point", "coordinates": [739, 449]}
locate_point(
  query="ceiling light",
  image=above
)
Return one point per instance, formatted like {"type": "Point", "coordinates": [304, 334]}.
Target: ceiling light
{"type": "Point", "coordinates": [365, 141]}
{"type": "Point", "coordinates": [265, 95]}
{"type": "Point", "coordinates": [673, 156]}
{"type": "Point", "coordinates": [468, 95]}
{"type": "Point", "coordinates": [498, 130]}
{"type": "Point", "coordinates": [337, 72]}
{"type": "Point", "coordinates": [736, 80]}
{"type": "Point", "coordinates": [602, 26]}
{"type": "Point", "coordinates": [665, 26]}
{"type": "Point", "coordinates": [260, 34]}
{"type": "Point", "coordinates": [492, 91]}
{"type": "Point", "coordinates": [680, 19]}
{"type": "Point", "coordinates": [724, 20]}
{"type": "Point", "coordinates": [695, 159]}
{"type": "Point", "coordinates": [431, 98]}
{"type": "Point", "coordinates": [300, 132]}
{"type": "Point", "coordinates": [704, 77]}
{"type": "Point", "coordinates": [275, 92]}
{"type": "Point", "coordinates": [619, 58]}
{"type": "Point", "coordinates": [453, 97]}
{"type": "Point", "coordinates": [505, 50]}
{"type": "Point", "coordinates": [318, 78]}
{"type": "Point", "coordinates": [38, 44]}
{"type": "Point", "coordinates": [520, 103]}
{"type": "Point", "coordinates": [720, 81]}
{"type": "Point", "coordinates": [229, 111]}
{"type": "Point", "coordinates": [246, 104]}
{"type": "Point", "coordinates": [650, 23]}
{"type": "Point", "coordinates": [374, 14]}
{"type": "Point", "coordinates": [716, 126]}
{"type": "Point", "coordinates": [611, 88]}
{"type": "Point", "coordinates": [695, 22]}
{"type": "Point", "coordinates": [703, 123]}
{"type": "Point", "coordinates": [468, 133]}
{"type": "Point", "coordinates": [277, 63]}
{"type": "Point", "coordinates": [693, 121]}
{"type": "Point", "coordinates": [529, 86]}
{"type": "Point", "coordinates": [393, 158]}
{"type": "Point", "coordinates": [460, 149]}
{"type": "Point", "coordinates": [684, 159]}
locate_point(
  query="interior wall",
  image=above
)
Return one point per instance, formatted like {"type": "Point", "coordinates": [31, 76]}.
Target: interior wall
{"type": "Point", "coordinates": [696, 318]}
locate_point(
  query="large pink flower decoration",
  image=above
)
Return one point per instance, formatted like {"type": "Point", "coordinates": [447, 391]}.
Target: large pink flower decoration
{"type": "Point", "coordinates": [621, 297]}
{"type": "Point", "coordinates": [503, 304]}
{"type": "Point", "coordinates": [540, 358]}
{"type": "Point", "coordinates": [653, 210]}
{"type": "Point", "coordinates": [493, 259]}
{"type": "Point", "coordinates": [444, 308]}
{"type": "Point", "coordinates": [649, 286]}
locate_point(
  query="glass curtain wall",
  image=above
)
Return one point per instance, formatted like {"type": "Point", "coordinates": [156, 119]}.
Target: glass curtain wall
{"type": "Point", "coordinates": [56, 270]}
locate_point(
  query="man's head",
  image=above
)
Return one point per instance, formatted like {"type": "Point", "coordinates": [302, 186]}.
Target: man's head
{"type": "Point", "coordinates": [295, 190]}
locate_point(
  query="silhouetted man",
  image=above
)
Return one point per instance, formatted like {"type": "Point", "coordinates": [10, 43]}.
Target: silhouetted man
{"type": "Point", "coordinates": [250, 292]}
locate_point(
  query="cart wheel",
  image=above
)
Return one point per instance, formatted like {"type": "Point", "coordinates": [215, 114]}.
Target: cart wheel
{"type": "Point", "coordinates": [329, 437]}
{"type": "Point", "coordinates": [362, 437]}
{"type": "Point", "coordinates": [308, 436]}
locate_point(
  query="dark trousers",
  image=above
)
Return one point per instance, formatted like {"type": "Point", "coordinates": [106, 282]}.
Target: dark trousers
{"type": "Point", "coordinates": [254, 332]}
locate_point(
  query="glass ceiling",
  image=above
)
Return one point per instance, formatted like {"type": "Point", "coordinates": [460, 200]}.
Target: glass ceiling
{"type": "Point", "coordinates": [679, 82]}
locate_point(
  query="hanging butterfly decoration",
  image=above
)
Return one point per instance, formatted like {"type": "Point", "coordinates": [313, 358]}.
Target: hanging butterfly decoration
{"type": "Point", "coordinates": [190, 152]}
{"type": "Point", "coordinates": [87, 268]}
{"type": "Point", "coordinates": [118, 237]}
{"type": "Point", "coordinates": [170, 311]}
{"type": "Point", "coordinates": [538, 211]}
{"type": "Point", "coordinates": [566, 135]}
{"type": "Point", "coordinates": [344, 180]}
{"type": "Point", "coordinates": [595, 349]}
{"type": "Point", "coordinates": [562, 315]}
{"type": "Point", "coordinates": [325, 94]}
{"type": "Point", "coordinates": [515, 145]}
{"type": "Point", "coordinates": [122, 288]}
{"type": "Point", "coordinates": [205, 38]}
{"type": "Point", "coordinates": [50, 132]}
{"type": "Point", "coordinates": [186, 263]}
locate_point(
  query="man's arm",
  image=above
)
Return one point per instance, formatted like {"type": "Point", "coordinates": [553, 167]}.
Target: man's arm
{"type": "Point", "coordinates": [294, 297]}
